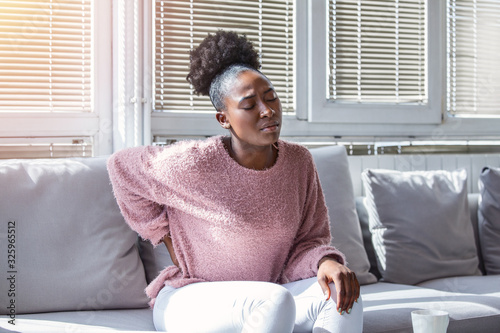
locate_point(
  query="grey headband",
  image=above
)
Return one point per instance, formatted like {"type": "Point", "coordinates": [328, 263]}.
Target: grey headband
{"type": "Point", "coordinates": [222, 83]}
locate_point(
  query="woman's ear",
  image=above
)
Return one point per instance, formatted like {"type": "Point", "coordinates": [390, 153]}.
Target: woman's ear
{"type": "Point", "coordinates": [221, 118]}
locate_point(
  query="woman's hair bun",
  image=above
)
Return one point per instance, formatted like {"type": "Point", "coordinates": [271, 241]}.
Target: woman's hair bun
{"type": "Point", "coordinates": [217, 52]}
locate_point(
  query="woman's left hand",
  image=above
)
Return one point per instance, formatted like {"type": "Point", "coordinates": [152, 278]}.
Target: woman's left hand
{"type": "Point", "coordinates": [345, 280]}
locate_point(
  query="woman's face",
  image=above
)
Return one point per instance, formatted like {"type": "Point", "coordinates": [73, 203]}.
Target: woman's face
{"type": "Point", "coordinates": [253, 110]}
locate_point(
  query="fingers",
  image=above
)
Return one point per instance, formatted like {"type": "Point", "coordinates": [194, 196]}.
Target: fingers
{"type": "Point", "coordinates": [354, 291]}
{"type": "Point", "coordinates": [347, 292]}
{"type": "Point", "coordinates": [341, 292]}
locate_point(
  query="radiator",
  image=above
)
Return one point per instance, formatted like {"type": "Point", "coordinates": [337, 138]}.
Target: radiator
{"type": "Point", "coordinates": [473, 163]}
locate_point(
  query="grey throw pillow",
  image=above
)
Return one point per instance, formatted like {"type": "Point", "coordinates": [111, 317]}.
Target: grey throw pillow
{"type": "Point", "coordinates": [71, 248]}
{"type": "Point", "coordinates": [420, 224]}
{"type": "Point", "coordinates": [335, 178]}
{"type": "Point", "coordinates": [489, 219]}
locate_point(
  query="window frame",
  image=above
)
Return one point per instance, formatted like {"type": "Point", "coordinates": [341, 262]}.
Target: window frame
{"type": "Point", "coordinates": [96, 124]}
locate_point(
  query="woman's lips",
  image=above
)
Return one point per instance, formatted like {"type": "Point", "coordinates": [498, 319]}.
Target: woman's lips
{"type": "Point", "coordinates": [270, 128]}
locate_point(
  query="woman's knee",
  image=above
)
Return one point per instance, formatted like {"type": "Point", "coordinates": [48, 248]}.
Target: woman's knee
{"type": "Point", "coordinates": [284, 302]}
{"type": "Point", "coordinates": [276, 312]}
{"type": "Point", "coordinates": [278, 301]}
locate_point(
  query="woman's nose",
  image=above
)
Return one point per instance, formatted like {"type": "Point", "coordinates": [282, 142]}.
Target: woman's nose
{"type": "Point", "coordinates": [266, 111]}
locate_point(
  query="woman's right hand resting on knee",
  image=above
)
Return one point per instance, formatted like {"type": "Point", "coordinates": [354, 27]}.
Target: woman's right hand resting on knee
{"type": "Point", "coordinates": [346, 283]}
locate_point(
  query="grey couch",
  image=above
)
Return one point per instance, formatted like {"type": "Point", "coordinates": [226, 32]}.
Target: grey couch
{"type": "Point", "coordinates": [78, 268]}
{"type": "Point", "coordinates": [473, 302]}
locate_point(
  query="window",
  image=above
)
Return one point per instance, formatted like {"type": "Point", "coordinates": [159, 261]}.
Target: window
{"type": "Point", "coordinates": [47, 57]}
{"type": "Point", "coordinates": [382, 63]}
{"type": "Point", "coordinates": [181, 25]}
{"type": "Point", "coordinates": [51, 95]}
{"type": "Point", "coordinates": [473, 57]}
{"type": "Point", "coordinates": [377, 52]}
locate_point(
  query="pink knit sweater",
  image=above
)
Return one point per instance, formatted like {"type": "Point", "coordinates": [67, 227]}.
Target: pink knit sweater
{"type": "Point", "coordinates": [227, 222]}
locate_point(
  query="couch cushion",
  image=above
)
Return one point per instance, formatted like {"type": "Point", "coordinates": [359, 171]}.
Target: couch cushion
{"type": "Point", "coordinates": [488, 285]}
{"type": "Point", "coordinates": [367, 235]}
{"type": "Point", "coordinates": [137, 320]}
{"type": "Point", "coordinates": [489, 219]}
{"type": "Point", "coordinates": [388, 307]}
{"type": "Point", "coordinates": [473, 199]}
{"type": "Point", "coordinates": [333, 170]}
{"type": "Point", "coordinates": [73, 249]}
{"type": "Point", "coordinates": [417, 220]}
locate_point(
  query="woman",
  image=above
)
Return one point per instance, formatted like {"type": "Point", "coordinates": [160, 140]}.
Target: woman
{"type": "Point", "coordinates": [243, 216]}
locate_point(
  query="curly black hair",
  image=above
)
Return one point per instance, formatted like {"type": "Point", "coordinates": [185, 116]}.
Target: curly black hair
{"type": "Point", "coordinates": [215, 55]}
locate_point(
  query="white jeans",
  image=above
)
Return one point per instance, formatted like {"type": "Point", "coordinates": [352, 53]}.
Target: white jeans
{"type": "Point", "coordinates": [250, 306]}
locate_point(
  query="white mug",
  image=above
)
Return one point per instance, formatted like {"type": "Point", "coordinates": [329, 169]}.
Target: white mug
{"type": "Point", "coordinates": [429, 321]}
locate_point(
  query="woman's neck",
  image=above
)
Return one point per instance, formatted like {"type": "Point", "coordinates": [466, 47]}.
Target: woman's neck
{"type": "Point", "coordinates": [251, 157]}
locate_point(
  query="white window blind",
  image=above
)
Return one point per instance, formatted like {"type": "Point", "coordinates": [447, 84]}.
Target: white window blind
{"type": "Point", "coordinates": [182, 25]}
{"type": "Point", "coordinates": [377, 51]}
{"type": "Point", "coordinates": [45, 55]}
{"type": "Point", "coordinates": [474, 57]}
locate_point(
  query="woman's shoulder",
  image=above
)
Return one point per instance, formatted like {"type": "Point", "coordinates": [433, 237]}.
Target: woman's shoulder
{"type": "Point", "coordinates": [190, 152]}
{"type": "Point", "coordinates": [179, 154]}
{"type": "Point", "coordinates": [294, 146]}
{"type": "Point", "coordinates": [296, 151]}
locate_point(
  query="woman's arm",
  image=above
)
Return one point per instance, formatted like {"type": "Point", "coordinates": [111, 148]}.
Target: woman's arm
{"type": "Point", "coordinates": [135, 187]}
{"type": "Point", "coordinates": [312, 253]}
{"type": "Point", "coordinates": [312, 241]}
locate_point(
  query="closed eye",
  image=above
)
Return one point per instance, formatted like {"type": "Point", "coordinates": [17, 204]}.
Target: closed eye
{"type": "Point", "coordinates": [270, 95]}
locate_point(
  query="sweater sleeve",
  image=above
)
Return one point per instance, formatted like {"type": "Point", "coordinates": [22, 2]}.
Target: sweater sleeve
{"type": "Point", "coordinates": [133, 179]}
{"type": "Point", "coordinates": [312, 242]}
